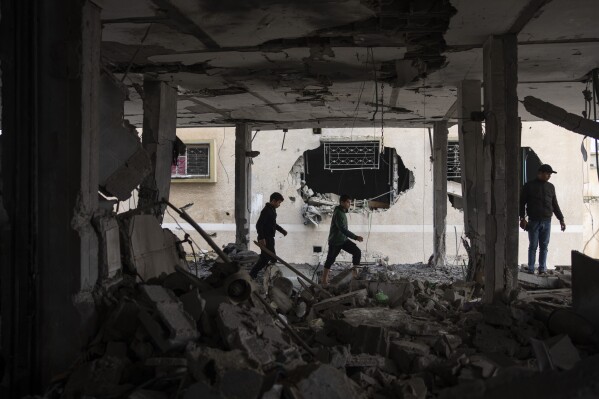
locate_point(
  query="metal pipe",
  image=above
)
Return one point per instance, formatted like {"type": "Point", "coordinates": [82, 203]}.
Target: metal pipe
{"type": "Point", "coordinates": [204, 235]}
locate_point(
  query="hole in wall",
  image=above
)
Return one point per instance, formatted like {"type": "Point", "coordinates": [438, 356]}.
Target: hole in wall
{"type": "Point", "coordinates": [320, 180]}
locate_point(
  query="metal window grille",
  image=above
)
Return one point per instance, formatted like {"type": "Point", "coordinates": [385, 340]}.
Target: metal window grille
{"type": "Point", "coordinates": [454, 170]}
{"type": "Point", "coordinates": [346, 155]}
{"type": "Point", "coordinates": [195, 162]}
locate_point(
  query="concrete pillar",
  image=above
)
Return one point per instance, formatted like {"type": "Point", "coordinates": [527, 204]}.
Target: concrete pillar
{"type": "Point", "coordinates": [472, 169]}
{"type": "Point", "coordinates": [50, 186]}
{"type": "Point", "coordinates": [501, 153]}
{"type": "Point", "coordinates": [158, 137]}
{"type": "Point", "coordinates": [440, 191]}
{"type": "Point", "coordinates": [243, 183]}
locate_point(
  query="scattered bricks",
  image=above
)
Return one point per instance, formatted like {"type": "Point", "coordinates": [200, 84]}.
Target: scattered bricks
{"type": "Point", "coordinates": [240, 384]}
{"type": "Point", "coordinates": [193, 304]}
{"type": "Point", "coordinates": [323, 381]}
{"type": "Point", "coordinates": [497, 315]}
{"type": "Point", "coordinates": [563, 353]}
{"type": "Point", "coordinates": [252, 331]}
{"type": "Point", "coordinates": [490, 339]}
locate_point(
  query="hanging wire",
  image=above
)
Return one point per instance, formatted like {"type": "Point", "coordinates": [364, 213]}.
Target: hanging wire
{"type": "Point", "coordinates": [220, 147]}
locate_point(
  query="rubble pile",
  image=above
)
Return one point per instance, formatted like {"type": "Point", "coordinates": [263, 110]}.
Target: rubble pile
{"type": "Point", "coordinates": [181, 336]}
{"type": "Point", "coordinates": [172, 334]}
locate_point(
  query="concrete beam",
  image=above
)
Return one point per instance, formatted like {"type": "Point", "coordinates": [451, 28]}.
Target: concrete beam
{"type": "Point", "coordinates": [243, 183]}
{"type": "Point", "coordinates": [472, 168]}
{"type": "Point", "coordinates": [440, 133]}
{"type": "Point", "coordinates": [501, 153]}
{"type": "Point", "coordinates": [158, 137]}
{"type": "Point", "coordinates": [560, 117]}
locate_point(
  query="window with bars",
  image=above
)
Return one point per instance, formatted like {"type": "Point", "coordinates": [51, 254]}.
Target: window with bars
{"type": "Point", "coordinates": [454, 170]}
{"type": "Point", "coordinates": [195, 164]}
{"type": "Point", "coordinates": [347, 155]}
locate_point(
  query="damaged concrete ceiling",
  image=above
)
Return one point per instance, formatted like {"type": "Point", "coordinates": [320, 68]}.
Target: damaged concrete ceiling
{"type": "Point", "coordinates": [336, 63]}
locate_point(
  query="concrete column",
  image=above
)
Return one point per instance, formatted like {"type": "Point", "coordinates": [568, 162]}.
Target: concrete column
{"type": "Point", "coordinates": [50, 186]}
{"type": "Point", "coordinates": [243, 183]}
{"type": "Point", "coordinates": [440, 191]}
{"type": "Point", "coordinates": [501, 154]}
{"type": "Point", "coordinates": [472, 169]}
{"type": "Point", "coordinates": [158, 137]}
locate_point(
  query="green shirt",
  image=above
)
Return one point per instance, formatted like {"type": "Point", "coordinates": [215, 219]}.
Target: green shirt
{"type": "Point", "coordinates": [339, 232]}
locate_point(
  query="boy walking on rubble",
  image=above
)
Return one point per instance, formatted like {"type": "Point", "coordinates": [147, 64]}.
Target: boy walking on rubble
{"type": "Point", "coordinates": [339, 237]}
{"type": "Point", "coordinates": [266, 227]}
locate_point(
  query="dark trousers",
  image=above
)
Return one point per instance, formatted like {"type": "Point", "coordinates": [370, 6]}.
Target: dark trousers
{"type": "Point", "coordinates": [264, 258]}
{"type": "Point", "coordinates": [349, 247]}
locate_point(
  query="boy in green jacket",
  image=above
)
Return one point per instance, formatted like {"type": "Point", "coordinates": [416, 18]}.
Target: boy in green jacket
{"type": "Point", "coordinates": [339, 238]}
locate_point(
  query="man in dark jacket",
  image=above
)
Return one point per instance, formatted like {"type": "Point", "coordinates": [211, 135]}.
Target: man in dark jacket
{"type": "Point", "coordinates": [266, 227]}
{"type": "Point", "coordinates": [338, 238]}
{"type": "Point", "coordinates": [538, 200]}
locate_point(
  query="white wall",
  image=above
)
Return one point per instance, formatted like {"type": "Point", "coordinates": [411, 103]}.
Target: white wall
{"type": "Point", "coordinates": [404, 232]}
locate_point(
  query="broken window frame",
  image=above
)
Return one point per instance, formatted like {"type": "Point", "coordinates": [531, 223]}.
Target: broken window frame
{"type": "Point", "coordinates": [210, 177]}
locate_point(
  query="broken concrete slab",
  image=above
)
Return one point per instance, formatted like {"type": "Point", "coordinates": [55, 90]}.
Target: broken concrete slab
{"type": "Point", "coordinates": [149, 249]}
{"type": "Point", "coordinates": [253, 332]}
{"type": "Point", "coordinates": [536, 281]}
{"type": "Point", "coordinates": [171, 327]}
{"type": "Point", "coordinates": [561, 117]}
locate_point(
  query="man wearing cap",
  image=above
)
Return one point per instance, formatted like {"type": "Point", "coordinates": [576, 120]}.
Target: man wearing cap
{"type": "Point", "coordinates": [538, 200]}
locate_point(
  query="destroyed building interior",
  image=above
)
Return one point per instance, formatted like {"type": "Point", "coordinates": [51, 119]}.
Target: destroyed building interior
{"type": "Point", "coordinates": [140, 140]}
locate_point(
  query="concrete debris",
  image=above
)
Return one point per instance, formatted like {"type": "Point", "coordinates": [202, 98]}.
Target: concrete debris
{"type": "Point", "coordinates": [219, 335]}
{"type": "Point", "coordinates": [148, 249]}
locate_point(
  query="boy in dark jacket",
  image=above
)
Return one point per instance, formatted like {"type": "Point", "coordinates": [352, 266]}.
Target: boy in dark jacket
{"type": "Point", "coordinates": [539, 201]}
{"type": "Point", "coordinates": [339, 238]}
{"type": "Point", "coordinates": [266, 227]}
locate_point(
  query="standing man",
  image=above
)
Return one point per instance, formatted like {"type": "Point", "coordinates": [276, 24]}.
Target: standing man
{"type": "Point", "coordinates": [540, 203]}
{"type": "Point", "coordinates": [339, 238]}
{"type": "Point", "coordinates": [266, 227]}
